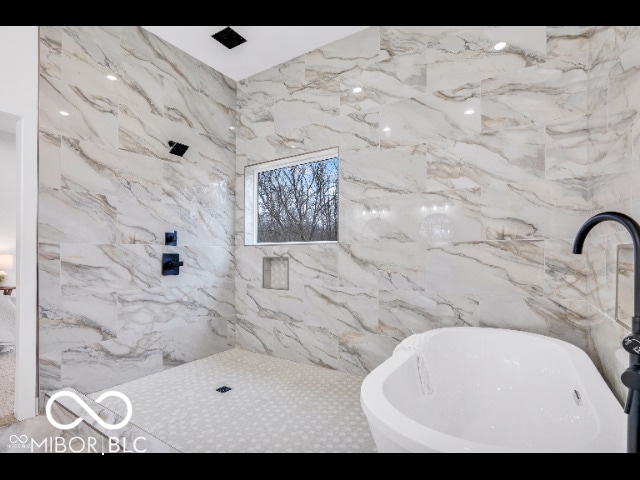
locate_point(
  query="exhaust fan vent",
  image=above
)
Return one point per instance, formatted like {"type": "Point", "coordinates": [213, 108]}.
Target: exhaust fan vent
{"type": "Point", "coordinates": [229, 38]}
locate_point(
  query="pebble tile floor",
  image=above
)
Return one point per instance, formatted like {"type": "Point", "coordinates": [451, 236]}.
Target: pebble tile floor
{"type": "Point", "coordinates": [275, 405]}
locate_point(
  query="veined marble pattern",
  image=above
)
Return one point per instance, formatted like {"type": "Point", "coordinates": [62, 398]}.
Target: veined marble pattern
{"type": "Point", "coordinates": [304, 344]}
{"type": "Point", "coordinates": [401, 170]}
{"type": "Point", "coordinates": [310, 104]}
{"type": "Point", "coordinates": [565, 273]}
{"type": "Point", "coordinates": [407, 313]}
{"type": "Point", "coordinates": [393, 79]}
{"type": "Point", "coordinates": [568, 144]}
{"type": "Point", "coordinates": [567, 199]}
{"type": "Point", "coordinates": [487, 159]}
{"type": "Point", "coordinates": [341, 308]}
{"type": "Point", "coordinates": [70, 217]}
{"type": "Point", "coordinates": [431, 116]}
{"type": "Point", "coordinates": [470, 56]}
{"type": "Point", "coordinates": [89, 54]}
{"type": "Point", "coordinates": [51, 51]}
{"type": "Point", "coordinates": [49, 160]}
{"type": "Point", "coordinates": [92, 116]}
{"type": "Point", "coordinates": [486, 268]}
{"type": "Point", "coordinates": [354, 133]}
{"type": "Point", "coordinates": [110, 190]}
{"type": "Point", "coordinates": [92, 168]}
{"type": "Point", "coordinates": [569, 44]}
{"type": "Point", "coordinates": [357, 50]}
{"type": "Point", "coordinates": [360, 353]}
{"type": "Point", "coordinates": [534, 95]}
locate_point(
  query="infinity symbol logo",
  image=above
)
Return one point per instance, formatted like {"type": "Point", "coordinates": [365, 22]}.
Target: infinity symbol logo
{"type": "Point", "coordinates": [91, 413]}
{"type": "Point", "coordinates": [16, 439]}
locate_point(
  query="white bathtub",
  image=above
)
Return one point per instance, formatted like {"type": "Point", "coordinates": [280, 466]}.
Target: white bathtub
{"type": "Point", "coordinates": [493, 390]}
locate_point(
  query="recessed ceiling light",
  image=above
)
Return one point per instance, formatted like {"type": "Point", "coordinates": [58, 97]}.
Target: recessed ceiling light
{"type": "Point", "coordinates": [386, 129]}
{"type": "Point", "coordinates": [113, 78]}
{"type": "Point", "coordinates": [500, 46]}
{"type": "Point", "coordinates": [63, 113]}
{"type": "Point", "coordinates": [357, 90]}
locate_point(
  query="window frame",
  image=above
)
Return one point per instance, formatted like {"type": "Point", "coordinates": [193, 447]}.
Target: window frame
{"type": "Point", "coordinates": [251, 173]}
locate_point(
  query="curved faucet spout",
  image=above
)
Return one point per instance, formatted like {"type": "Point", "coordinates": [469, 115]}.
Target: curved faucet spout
{"type": "Point", "coordinates": [634, 230]}
{"type": "Point", "coordinates": [631, 377]}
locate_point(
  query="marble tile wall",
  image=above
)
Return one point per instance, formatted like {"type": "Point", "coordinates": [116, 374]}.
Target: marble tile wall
{"type": "Point", "coordinates": [497, 142]}
{"type": "Point", "coordinates": [110, 189]}
{"type": "Point", "coordinates": [613, 166]}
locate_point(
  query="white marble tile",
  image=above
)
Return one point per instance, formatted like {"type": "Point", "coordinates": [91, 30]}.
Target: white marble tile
{"type": "Point", "coordinates": [360, 221]}
{"type": "Point", "coordinates": [612, 193]}
{"type": "Point", "coordinates": [567, 151]}
{"type": "Point", "coordinates": [255, 120]}
{"type": "Point", "coordinates": [69, 217]}
{"type": "Point", "coordinates": [93, 168]}
{"type": "Point", "coordinates": [469, 55]}
{"type": "Point", "coordinates": [311, 104]}
{"type": "Point", "coordinates": [431, 116]}
{"type": "Point", "coordinates": [272, 147]}
{"type": "Point", "coordinates": [255, 335]}
{"type": "Point", "coordinates": [400, 40]}
{"type": "Point", "coordinates": [215, 119]}
{"type": "Point", "coordinates": [146, 221]}
{"type": "Point", "coordinates": [420, 218]}
{"type": "Point", "coordinates": [304, 344]}
{"type": "Point", "coordinates": [79, 320]}
{"type": "Point", "coordinates": [563, 320]}
{"type": "Point", "coordinates": [217, 159]}
{"type": "Point", "coordinates": [277, 82]}
{"type": "Point", "coordinates": [565, 273]}
{"type": "Point", "coordinates": [49, 371]}
{"type": "Point", "coordinates": [625, 286]}
{"type": "Point", "coordinates": [388, 81]}
{"type": "Point", "coordinates": [203, 265]}
{"type": "Point", "coordinates": [149, 135]}
{"type": "Point", "coordinates": [486, 268]}
{"type": "Point", "coordinates": [49, 294]}
{"type": "Point", "coordinates": [570, 44]}
{"type": "Point", "coordinates": [611, 143]}
{"type": "Point", "coordinates": [403, 314]}
{"type": "Point", "coordinates": [51, 51]}
{"type": "Point", "coordinates": [341, 309]}
{"type": "Point", "coordinates": [217, 87]}
{"type": "Point", "coordinates": [360, 353]}
{"type": "Point", "coordinates": [89, 54]}
{"type": "Point", "coordinates": [508, 155]}
{"type": "Point", "coordinates": [401, 170]}
{"type": "Point", "coordinates": [313, 264]}
{"type": "Point", "coordinates": [533, 95]}
{"type": "Point", "coordinates": [49, 160]}
{"type": "Point", "coordinates": [605, 336]}
{"type": "Point", "coordinates": [353, 134]}
{"type": "Point", "coordinates": [283, 305]}
{"type": "Point", "coordinates": [92, 116]}
{"type": "Point", "coordinates": [209, 226]}
{"type": "Point", "coordinates": [107, 268]}
{"type": "Point", "coordinates": [151, 310]}
{"type": "Point", "coordinates": [194, 341]}
{"type": "Point", "coordinates": [546, 209]}
{"type": "Point", "coordinates": [357, 50]}
{"type": "Point", "coordinates": [107, 364]}
{"type": "Point", "coordinates": [384, 265]}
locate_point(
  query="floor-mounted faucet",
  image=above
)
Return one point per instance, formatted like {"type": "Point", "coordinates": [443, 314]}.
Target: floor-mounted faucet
{"type": "Point", "coordinates": [631, 377]}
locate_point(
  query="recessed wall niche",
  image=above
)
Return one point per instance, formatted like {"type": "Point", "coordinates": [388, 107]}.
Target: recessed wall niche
{"type": "Point", "coordinates": [275, 273]}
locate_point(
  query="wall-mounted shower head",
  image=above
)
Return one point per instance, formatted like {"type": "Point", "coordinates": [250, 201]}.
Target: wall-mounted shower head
{"type": "Point", "coordinates": [229, 38]}
{"type": "Point", "coordinates": [178, 148]}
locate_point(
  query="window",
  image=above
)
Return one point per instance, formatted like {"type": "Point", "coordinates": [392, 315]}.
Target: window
{"type": "Point", "coordinates": [293, 200]}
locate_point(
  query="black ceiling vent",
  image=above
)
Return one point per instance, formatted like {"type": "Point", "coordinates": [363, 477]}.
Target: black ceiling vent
{"type": "Point", "coordinates": [229, 38]}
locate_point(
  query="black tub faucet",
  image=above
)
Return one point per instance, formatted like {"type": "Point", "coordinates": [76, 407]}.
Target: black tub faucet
{"type": "Point", "coordinates": [631, 377]}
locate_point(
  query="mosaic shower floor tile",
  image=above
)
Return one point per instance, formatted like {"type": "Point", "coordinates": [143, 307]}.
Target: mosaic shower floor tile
{"type": "Point", "coordinates": [273, 405]}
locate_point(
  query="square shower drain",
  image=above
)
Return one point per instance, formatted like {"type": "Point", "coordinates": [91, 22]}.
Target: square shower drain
{"type": "Point", "coordinates": [223, 389]}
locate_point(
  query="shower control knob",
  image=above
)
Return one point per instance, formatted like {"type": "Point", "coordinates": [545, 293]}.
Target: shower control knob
{"type": "Point", "coordinates": [631, 378]}
{"type": "Point", "coordinates": [632, 344]}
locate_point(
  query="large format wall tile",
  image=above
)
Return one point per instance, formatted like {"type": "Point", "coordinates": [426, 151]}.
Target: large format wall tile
{"type": "Point", "coordinates": [110, 190]}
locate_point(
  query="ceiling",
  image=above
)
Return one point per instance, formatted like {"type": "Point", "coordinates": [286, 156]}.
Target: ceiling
{"type": "Point", "coordinates": [265, 46]}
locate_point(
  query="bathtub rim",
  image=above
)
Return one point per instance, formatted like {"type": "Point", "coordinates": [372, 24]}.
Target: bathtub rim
{"type": "Point", "coordinates": [407, 433]}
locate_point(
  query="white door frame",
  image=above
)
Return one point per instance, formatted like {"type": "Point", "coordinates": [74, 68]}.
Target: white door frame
{"type": "Point", "coordinates": [19, 48]}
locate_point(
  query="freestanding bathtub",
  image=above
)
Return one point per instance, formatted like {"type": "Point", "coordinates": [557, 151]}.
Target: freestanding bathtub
{"type": "Point", "coordinates": [492, 390]}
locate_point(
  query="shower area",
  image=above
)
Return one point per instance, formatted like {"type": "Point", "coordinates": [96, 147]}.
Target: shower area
{"type": "Point", "coordinates": [466, 167]}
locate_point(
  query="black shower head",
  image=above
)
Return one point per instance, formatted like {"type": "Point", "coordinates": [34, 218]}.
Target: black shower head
{"type": "Point", "coordinates": [229, 38]}
{"type": "Point", "coordinates": [178, 148]}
